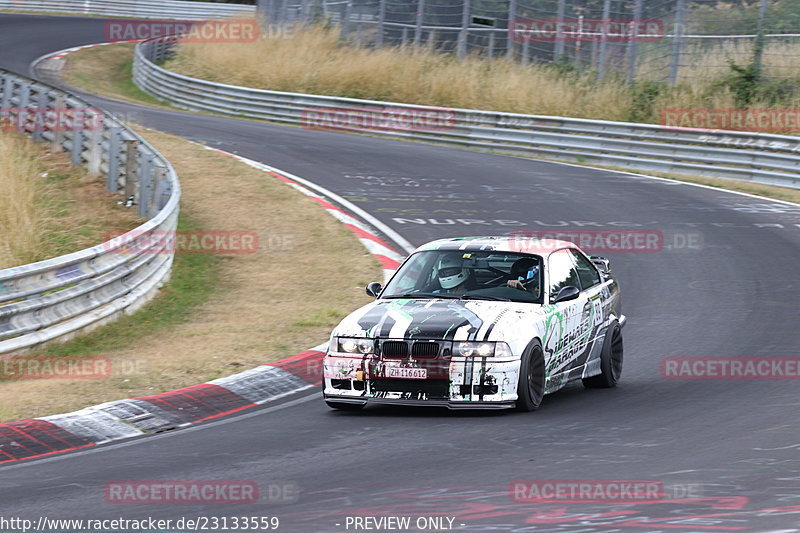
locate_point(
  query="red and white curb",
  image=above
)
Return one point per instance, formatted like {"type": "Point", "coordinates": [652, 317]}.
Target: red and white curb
{"type": "Point", "coordinates": [123, 419]}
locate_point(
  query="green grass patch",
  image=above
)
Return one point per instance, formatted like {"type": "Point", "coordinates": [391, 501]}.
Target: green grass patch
{"type": "Point", "coordinates": [195, 278]}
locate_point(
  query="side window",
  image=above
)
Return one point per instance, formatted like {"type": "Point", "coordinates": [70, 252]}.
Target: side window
{"type": "Point", "coordinates": [562, 272]}
{"type": "Point", "coordinates": [586, 270]}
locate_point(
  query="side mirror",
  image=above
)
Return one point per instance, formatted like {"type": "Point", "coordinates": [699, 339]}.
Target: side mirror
{"type": "Point", "coordinates": [602, 264]}
{"type": "Point", "coordinates": [374, 289]}
{"type": "Point", "coordinates": [566, 294]}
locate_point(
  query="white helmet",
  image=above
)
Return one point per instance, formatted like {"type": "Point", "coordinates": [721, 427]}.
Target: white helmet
{"type": "Point", "coordinates": [451, 272]}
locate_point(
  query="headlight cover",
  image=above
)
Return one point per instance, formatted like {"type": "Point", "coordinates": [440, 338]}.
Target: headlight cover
{"type": "Point", "coordinates": [355, 345]}
{"type": "Point", "coordinates": [481, 349]}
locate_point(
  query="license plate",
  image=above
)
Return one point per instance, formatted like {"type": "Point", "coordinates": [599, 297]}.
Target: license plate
{"type": "Point", "coordinates": [406, 373]}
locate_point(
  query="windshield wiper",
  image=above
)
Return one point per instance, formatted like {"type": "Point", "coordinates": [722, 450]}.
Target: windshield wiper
{"type": "Point", "coordinates": [484, 297]}
{"type": "Point", "coordinates": [444, 296]}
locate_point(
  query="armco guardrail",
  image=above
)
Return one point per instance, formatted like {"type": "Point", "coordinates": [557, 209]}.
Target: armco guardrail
{"type": "Point", "coordinates": [761, 158]}
{"type": "Point", "coordinates": [159, 9]}
{"type": "Point", "coordinates": [58, 297]}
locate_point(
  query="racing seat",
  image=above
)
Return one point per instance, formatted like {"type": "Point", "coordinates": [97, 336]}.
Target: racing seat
{"type": "Point", "coordinates": [529, 270]}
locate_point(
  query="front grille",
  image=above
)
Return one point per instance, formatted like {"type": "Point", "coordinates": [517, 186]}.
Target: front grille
{"type": "Point", "coordinates": [394, 349]}
{"type": "Point", "coordinates": [425, 349]}
{"type": "Point", "coordinates": [432, 388]}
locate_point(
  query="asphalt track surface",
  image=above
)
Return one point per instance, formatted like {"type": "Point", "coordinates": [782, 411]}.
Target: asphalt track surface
{"type": "Point", "coordinates": [727, 452]}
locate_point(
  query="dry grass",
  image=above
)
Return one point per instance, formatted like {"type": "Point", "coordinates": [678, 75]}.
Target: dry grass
{"type": "Point", "coordinates": [48, 207]}
{"type": "Point", "coordinates": [312, 61]}
{"type": "Point", "coordinates": [309, 272]}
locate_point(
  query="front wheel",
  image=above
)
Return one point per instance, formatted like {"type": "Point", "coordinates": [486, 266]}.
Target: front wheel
{"type": "Point", "coordinates": [530, 386]}
{"type": "Point", "coordinates": [610, 361]}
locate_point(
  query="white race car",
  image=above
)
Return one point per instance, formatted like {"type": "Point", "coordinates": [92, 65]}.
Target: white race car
{"type": "Point", "coordinates": [480, 322]}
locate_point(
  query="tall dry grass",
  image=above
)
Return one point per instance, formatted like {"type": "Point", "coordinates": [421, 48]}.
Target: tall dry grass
{"type": "Point", "coordinates": [312, 60]}
{"type": "Point", "coordinates": [48, 207]}
{"type": "Point", "coordinates": [20, 222]}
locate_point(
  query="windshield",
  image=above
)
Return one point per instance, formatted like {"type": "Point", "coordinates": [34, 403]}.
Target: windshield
{"type": "Point", "coordinates": [485, 275]}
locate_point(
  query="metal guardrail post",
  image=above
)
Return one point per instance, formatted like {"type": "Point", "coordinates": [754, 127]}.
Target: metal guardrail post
{"type": "Point", "coordinates": [145, 179]}
{"type": "Point", "coordinates": [40, 117]}
{"type": "Point", "coordinates": [95, 153]}
{"type": "Point", "coordinates": [8, 90]}
{"type": "Point", "coordinates": [114, 152]}
{"type": "Point", "coordinates": [58, 133]}
{"type": "Point", "coordinates": [76, 153]}
{"type": "Point", "coordinates": [131, 164]}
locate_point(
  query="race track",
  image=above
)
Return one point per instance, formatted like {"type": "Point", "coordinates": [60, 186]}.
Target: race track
{"type": "Point", "coordinates": [728, 450]}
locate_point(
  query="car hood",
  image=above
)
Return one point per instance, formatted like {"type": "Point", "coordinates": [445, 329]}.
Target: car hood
{"type": "Point", "coordinates": [438, 319]}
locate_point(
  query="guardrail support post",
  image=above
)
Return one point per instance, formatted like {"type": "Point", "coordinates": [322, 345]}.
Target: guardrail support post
{"type": "Point", "coordinates": [95, 156]}
{"type": "Point", "coordinates": [8, 90]}
{"type": "Point", "coordinates": [114, 153]}
{"type": "Point", "coordinates": [145, 175]}
{"type": "Point", "coordinates": [22, 112]}
{"type": "Point", "coordinates": [131, 164]}
{"type": "Point", "coordinates": [76, 154]}
{"type": "Point", "coordinates": [58, 133]}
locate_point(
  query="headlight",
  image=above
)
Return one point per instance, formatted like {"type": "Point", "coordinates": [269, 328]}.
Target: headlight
{"type": "Point", "coordinates": [482, 349]}
{"type": "Point", "coordinates": [353, 345]}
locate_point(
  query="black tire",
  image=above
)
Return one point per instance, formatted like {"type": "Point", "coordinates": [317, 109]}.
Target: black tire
{"type": "Point", "coordinates": [610, 361]}
{"type": "Point", "coordinates": [530, 387]}
{"type": "Point", "coordinates": [344, 406]}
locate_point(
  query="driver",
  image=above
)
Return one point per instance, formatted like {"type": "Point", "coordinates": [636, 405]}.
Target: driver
{"type": "Point", "coordinates": [525, 275]}
{"type": "Point", "coordinates": [452, 275]}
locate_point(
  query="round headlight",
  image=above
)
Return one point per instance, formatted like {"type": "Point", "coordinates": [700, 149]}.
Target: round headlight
{"type": "Point", "coordinates": [485, 349]}
{"type": "Point", "coordinates": [349, 345]}
{"type": "Point", "coordinates": [466, 349]}
{"type": "Point", "coordinates": [366, 346]}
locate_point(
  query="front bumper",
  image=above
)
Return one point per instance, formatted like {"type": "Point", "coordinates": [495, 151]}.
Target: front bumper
{"type": "Point", "coordinates": [455, 383]}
